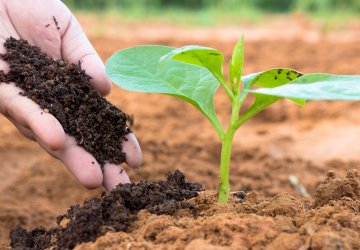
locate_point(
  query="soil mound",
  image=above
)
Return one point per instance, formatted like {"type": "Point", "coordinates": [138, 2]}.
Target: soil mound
{"type": "Point", "coordinates": [281, 223]}
{"type": "Point", "coordinates": [336, 188]}
{"type": "Point", "coordinates": [63, 89]}
{"type": "Point", "coordinates": [114, 211]}
{"type": "Point", "coordinates": [156, 215]}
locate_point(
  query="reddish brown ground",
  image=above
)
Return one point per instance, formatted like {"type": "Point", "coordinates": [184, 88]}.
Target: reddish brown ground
{"type": "Point", "coordinates": [281, 222]}
{"type": "Point", "coordinates": [284, 140]}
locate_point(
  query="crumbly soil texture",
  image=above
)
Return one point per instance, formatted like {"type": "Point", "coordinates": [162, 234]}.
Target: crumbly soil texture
{"type": "Point", "coordinates": [171, 215]}
{"type": "Point", "coordinates": [113, 212]}
{"type": "Point", "coordinates": [63, 89]}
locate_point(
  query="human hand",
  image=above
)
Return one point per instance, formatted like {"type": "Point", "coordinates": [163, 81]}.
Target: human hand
{"type": "Point", "coordinates": [29, 20]}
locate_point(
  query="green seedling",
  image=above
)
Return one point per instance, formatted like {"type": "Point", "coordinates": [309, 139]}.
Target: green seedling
{"type": "Point", "coordinates": [194, 73]}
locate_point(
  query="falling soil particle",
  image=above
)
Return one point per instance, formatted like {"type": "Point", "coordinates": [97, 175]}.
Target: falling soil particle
{"type": "Point", "coordinates": [63, 89]}
{"type": "Point", "coordinates": [114, 212]}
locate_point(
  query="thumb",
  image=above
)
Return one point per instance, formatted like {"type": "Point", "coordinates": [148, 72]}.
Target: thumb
{"type": "Point", "coordinates": [77, 48]}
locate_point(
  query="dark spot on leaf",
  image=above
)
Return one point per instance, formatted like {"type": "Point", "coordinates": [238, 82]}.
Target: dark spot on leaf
{"type": "Point", "coordinates": [275, 78]}
{"type": "Point", "coordinates": [279, 71]}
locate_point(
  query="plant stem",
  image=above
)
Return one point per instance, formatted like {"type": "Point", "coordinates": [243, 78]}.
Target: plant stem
{"type": "Point", "coordinates": [224, 185]}
{"type": "Point", "coordinates": [236, 98]}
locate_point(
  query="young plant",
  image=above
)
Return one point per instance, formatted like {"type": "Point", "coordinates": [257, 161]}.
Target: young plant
{"type": "Point", "coordinates": [194, 73]}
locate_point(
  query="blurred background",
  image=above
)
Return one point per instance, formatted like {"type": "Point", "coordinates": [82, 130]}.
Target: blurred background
{"type": "Point", "coordinates": [207, 12]}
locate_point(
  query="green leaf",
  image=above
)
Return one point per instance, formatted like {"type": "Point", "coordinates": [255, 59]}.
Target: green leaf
{"type": "Point", "coordinates": [237, 60]}
{"type": "Point", "coordinates": [270, 78]}
{"type": "Point", "coordinates": [318, 86]}
{"type": "Point", "coordinates": [205, 57]}
{"type": "Point", "coordinates": [136, 69]}
{"type": "Point", "coordinates": [299, 102]}
{"type": "Point", "coordinates": [273, 77]}
{"type": "Point", "coordinates": [248, 80]}
{"type": "Point", "coordinates": [231, 75]}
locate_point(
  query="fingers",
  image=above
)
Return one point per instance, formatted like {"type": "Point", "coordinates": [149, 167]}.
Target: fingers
{"type": "Point", "coordinates": [4, 66]}
{"type": "Point", "coordinates": [51, 26]}
{"type": "Point", "coordinates": [6, 27]}
{"type": "Point", "coordinates": [113, 175]}
{"type": "Point", "coordinates": [34, 123]}
{"type": "Point", "coordinates": [25, 131]}
{"type": "Point", "coordinates": [85, 168]}
{"type": "Point", "coordinates": [77, 48]}
{"type": "Point", "coordinates": [34, 22]}
{"type": "Point", "coordinates": [28, 114]}
{"type": "Point", "coordinates": [132, 150]}
{"type": "Point", "coordinates": [79, 162]}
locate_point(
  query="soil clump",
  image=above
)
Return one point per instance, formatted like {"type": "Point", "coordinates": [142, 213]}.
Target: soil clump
{"type": "Point", "coordinates": [63, 90]}
{"type": "Point", "coordinates": [174, 214]}
{"type": "Point", "coordinates": [278, 223]}
{"type": "Point", "coordinates": [114, 211]}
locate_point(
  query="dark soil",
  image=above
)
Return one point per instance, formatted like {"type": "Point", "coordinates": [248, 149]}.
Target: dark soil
{"type": "Point", "coordinates": [63, 89]}
{"type": "Point", "coordinates": [113, 211]}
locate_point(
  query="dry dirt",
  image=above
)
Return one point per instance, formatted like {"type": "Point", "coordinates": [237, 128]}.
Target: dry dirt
{"type": "Point", "coordinates": [281, 141]}
{"type": "Point", "coordinates": [281, 222]}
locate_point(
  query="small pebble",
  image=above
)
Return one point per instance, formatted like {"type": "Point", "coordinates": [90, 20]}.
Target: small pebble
{"type": "Point", "coordinates": [61, 63]}
{"type": "Point", "coordinates": [241, 195]}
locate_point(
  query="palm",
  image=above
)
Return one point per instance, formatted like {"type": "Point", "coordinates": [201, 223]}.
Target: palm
{"type": "Point", "coordinates": [34, 21]}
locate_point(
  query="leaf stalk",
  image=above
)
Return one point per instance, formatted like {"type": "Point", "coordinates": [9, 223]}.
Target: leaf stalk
{"type": "Point", "coordinates": [224, 84]}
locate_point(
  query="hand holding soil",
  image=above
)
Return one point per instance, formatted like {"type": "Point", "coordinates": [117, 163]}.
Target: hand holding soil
{"type": "Point", "coordinates": [50, 26]}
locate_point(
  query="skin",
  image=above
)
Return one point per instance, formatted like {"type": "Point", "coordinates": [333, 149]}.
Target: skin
{"type": "Point", "coordinates": [29, 19]}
